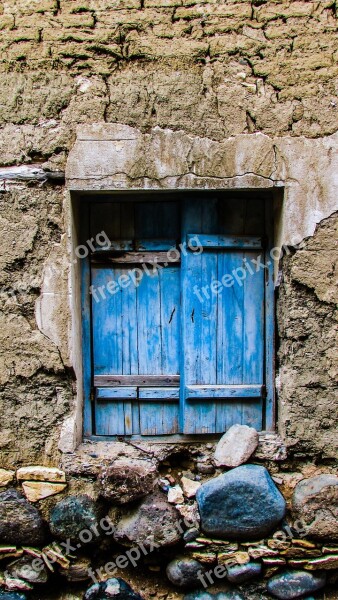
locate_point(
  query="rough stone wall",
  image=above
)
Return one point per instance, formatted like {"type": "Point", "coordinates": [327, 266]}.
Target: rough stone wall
{"type": "Point", "coordinates": [215, 69]}
{"type": "Point", "coordinates": [35, 382]}
{"type": "Point", "coordinates": [307, 320]}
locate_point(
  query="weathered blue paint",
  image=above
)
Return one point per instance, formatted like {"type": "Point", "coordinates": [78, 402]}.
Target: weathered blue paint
{"type": "Point", "coordinates": [219, 342]}
{"type": "Point", "coordinates": [223, 326]}
{"type": "Point", "coordinates": [198, 240]}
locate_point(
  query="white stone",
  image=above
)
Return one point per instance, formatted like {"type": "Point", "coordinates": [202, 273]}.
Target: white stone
{"type": "Point", "coordinates": [175, 495]}
{"type": "Point", "coordinates": [6, 477]}
{"type": "Point", "coordinates": [190, 514]}
{"type": "Point", "coordinates": [236, 446]}
{"type": "Point", "coordinates": [37, 490]}
{"type": "Point", "coordinates": [190, 487]}
{"type": "Point", "coordinates": [38, 473]}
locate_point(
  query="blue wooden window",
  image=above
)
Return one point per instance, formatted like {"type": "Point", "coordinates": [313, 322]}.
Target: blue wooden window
{"type": "Point", "coordinates": [178, 315]}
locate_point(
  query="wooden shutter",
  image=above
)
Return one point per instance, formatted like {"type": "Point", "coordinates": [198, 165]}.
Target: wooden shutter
{"type": "Point", "coordinates": [136, 328]}
{"type": "Point", "coordinates": [222, 333]}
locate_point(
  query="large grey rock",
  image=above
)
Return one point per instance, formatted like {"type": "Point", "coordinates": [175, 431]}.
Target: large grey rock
{"type": "Point", "coordinates": [153, 520]}
{"type": "Point", "coordinates": [20, 522]}
{"type": "Point", "coordinates": [73, 515]}
{"type": "Point", "coordinates": [243, 573]}
{"type": "Point", "coordinates": [315, 503]}
{"type": "Point", "coordinates": [115, 588]}
{"type": "Point", "coordinates": [236, 446]}
{"type": "Point", "coordinates": [183, 572]}
{"type": "Point", "coordinates": [241, 504]}
{"type": "Point", "coordinates": [295, 584]}
{"type": "Point", "coordinates": [126, 481]}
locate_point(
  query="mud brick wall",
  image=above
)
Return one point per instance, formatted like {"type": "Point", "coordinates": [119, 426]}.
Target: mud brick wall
{"type": "Point", "coordinates": [213, 69]}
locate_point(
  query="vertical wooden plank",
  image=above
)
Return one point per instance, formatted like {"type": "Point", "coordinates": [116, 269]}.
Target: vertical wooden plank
{"type": "Point", "coordinates": [129, 350]}
{"type": "Point", "coordinates": [107, 322]}
{"type": "Point", "coordinates": [149, 325]}
{"type": "Point", "coordinates": [170, 306]}
{"type": "Point", "coordinates": [253, 320]}
{"type": "Point", "coordinates": [199, 311]}
{"type": "Point", "coordinates": [110, 419]}
{"type": "Point", "coordinates": [229, 338]}
{"type": "Point", "coordinates": [158, 418]}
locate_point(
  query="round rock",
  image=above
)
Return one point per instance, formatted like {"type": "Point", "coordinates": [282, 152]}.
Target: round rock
{"type": "Point", "coordinates": [152, 521]}
{"type": "Point", "coordinates": [315, 502]}
{"type": "Point", "coordinates": [243, 573]}
{"type": "Point", "coordinates": [183, 572]}
{"type": "Point", "coordinates": [124, 481]}
{"type": "Point", "coordinates": [20, 522]}
{"type": "Point", "coordinates": [242, 504]}
{"type": "Point", "coordinates": [295, 584]}
{"type": "Point", "coordinates": [72, 517]}
{"type": "Point", "coordinates": [236, 446]}
{"type": "Point", "coordinates": [115, 588]}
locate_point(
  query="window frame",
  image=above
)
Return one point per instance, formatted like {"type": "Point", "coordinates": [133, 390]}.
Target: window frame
{"type": "Point", "coordinates": [268, 405]}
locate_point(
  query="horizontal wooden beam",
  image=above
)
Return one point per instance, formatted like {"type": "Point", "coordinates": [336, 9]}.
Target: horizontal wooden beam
{"type": "Point", "coordinates": [224, 392]}
{"type": "Point", "coordinates": [116, 392]}
{"type": "Point", "coordinates": [150, 258]}
{"type": "Point", "coordinates": [137, 246]}
{"type": "Point", "coordinates": [220, 242]}
{"type": "Point", "coordinates": [31, 173]}
{"type": "Point", "coordinates": [136, 380]}
{"type": "Point", "coordinates": [159, 393]}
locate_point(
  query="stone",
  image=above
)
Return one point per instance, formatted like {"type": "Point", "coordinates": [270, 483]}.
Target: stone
{"type": "Point", "coordinates": [6, 477]}
{"type": "Point", "coordinates": [115, 588]}
{"type": "Point", "coordinates": [241, 504]}
{"type": "Point", "coordinates": [190, 487]}
{"type": "Point", "coordinates": [198, 595]}
{"type": "Point", "coordinates": [12, 596]}
{"type": "Point", "coordinates": [16, 584]}
{"type": "Point", "coordinates": [190, 534]}
{"type": "Point", "coordinates": [72, 515]}
{"type": "Point", "coordinates": [295, 584]}
{"type": "Point", "coordinates": [77, 571]}
{"type": "Point", "coordinates": [236, 446]}
{"type": "Point", "coordinates": [315, 502]}
{"type": "Point", "coordinates": [228, 596]}
{"type": "Point", "coordinates": [152, 520]}
{"type": "Point", "coordinates": [37, 490]}
{"type": "Point", "coordinates": [205, 468]}
{"type": "Point", "coordinates": [260, 551]}
{"type": "Point", "coordinates": [190, 514]}
{"type": "Point", "coordinates": [205, 557]}
{"type": "Point", "coordinates": [242, 573]}
{"type": "Point", "coordinates": [175, 495]}
{"type": "Point", "coordinates": [127, 480]}
{"type": "Point", "coordinates": [183, 572]}
{"type": "Point", "coordinates": [24, 569]}
{"type": "Point", "coordinates": [324, 562]}
{"type": "Point", "coordinates": [37, 473]}
{"type": "Point", "coordinates": [233, 557]}
{"type": "Point", "coordinates": [20, 522]}
{"type": "Point", "coordinates": [273, 562]}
